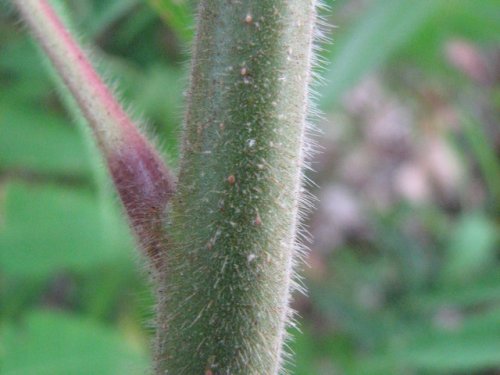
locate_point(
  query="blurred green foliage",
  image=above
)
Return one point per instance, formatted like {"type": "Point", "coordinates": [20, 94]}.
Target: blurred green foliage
{"type": "Point", "coordinates": [73, 299]}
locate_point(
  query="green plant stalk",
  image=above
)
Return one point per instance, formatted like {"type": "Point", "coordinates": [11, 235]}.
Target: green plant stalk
{"type": "Point", "coordinates": [229, 271]}
{"type": "Point", "coordinates": [224, 273]}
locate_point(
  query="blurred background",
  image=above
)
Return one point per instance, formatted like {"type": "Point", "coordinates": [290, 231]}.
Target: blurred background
{"type": "Point", "coordinates": [403, 276]}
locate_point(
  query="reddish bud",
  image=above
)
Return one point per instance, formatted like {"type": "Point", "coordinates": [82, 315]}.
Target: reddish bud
{"type": "Point", "coordinates": [144, 185]}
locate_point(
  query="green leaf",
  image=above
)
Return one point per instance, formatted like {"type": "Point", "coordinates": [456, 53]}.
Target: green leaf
{"type": "Point", "coordinates": [160, 105]}
{"type": "Point", "coordinates": [470, 345]}
{"type": "Point", "coordinates": [23, 76]}
{"type": "Point", "coordinates": [471, 249]}
{"type": "Point", "coordinates": [49, 343]}
{"type": "Point", "coordinates": [177, 14]}
{"type": "Point", "coordinates": [18, 57]}
{"type": "Point", "coordinates": [468, 20]}
{"type": "Point", "coordinates": [48, 229]}
{"type": "Point", "coordinates": [36, 141]}
{"type": "Point", "coordinates": [469, 353]}
{"type": "Point", "coordinates": [485, 154]}
{"type": "Point", "coordinates": [384, 27]}
{"type": "Point", "coordinates": [484, 290]}
{"type": "Point", "coordinates": [320, 352]}
{"type": "Point", "coordinates": [107, 13]}
{"type": "Point", "coordinates": [473, 345]}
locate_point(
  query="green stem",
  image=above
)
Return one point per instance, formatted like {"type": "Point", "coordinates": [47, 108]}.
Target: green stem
{"type": "Point", "coordinates": [233, 219]}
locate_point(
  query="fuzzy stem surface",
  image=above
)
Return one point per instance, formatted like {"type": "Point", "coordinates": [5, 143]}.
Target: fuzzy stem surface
{"type": "Point", "coordinates": [233, 220]}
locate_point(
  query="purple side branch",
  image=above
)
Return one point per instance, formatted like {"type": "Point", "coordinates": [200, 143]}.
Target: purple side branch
{"type": "Point", "coordinates": [145, 186]}
{"type": "Point", "coordinates": [140, 176]}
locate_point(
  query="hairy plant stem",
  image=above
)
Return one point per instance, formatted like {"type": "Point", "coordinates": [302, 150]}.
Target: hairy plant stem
{"type": "Point", "coordinates": [233, 220]}
{"type": "Point", "coordinates": [224, 273]}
